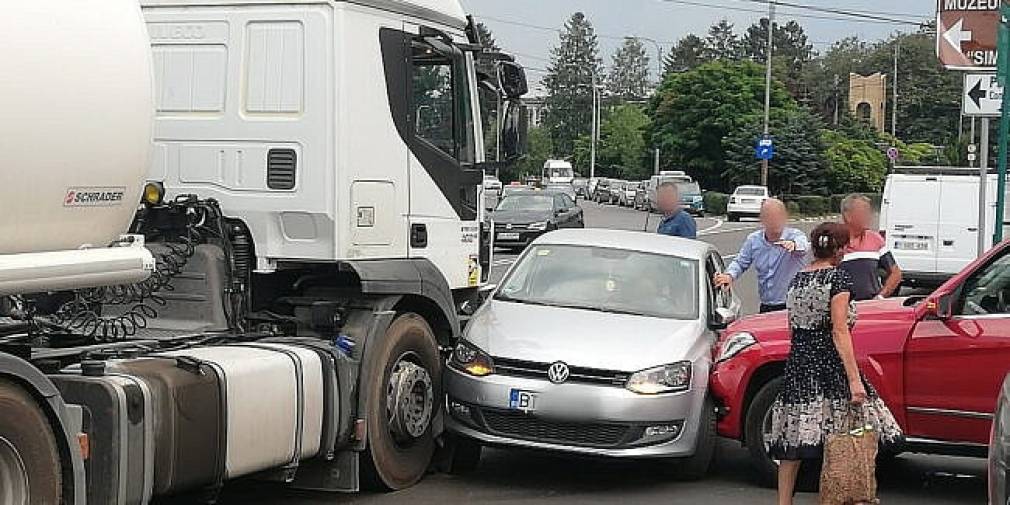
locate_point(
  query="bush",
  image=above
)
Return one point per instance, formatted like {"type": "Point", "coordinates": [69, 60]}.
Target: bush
{"type": "Point", "coordinates": [813, 205]}
{"type": "Point", "coordinates": [715, 202]}
{"type": "Point", "coordinates": [793, 207]}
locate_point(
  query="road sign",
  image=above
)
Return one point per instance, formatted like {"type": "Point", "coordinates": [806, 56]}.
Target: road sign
{"type": "Point", "coordinates": [966, 33]}
{"type": "Point", "coordinates": [983, 96]}
{"type": "Point", "coordinates": [765, 149]}
{"type": "Point", "coordinates": [892, 153]}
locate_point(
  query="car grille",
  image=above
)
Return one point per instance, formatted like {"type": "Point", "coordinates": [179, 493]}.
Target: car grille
{"type": "Point", "coordinates": [526, 427]}
{"type": "Point", "coordinates": [536, 370]}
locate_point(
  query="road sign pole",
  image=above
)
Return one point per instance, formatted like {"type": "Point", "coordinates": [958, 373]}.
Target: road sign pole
{"type": "Point", "coordinates": [1003, 52]}
{"type": "Point", "coordinates": [983, 180]}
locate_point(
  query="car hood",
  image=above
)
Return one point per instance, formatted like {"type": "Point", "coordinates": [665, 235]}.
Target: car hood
{"type": "Point", "coordinates": [520, 217]}
{"type": "Point", "coordinates": [585, 338]}
{"type": "Point", "coordinates": [774, 326]}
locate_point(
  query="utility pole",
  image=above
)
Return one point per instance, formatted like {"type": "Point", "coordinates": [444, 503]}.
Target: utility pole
{"type": "Point", "coordinates": [894, 94]}
{"type": "Point", "coordinates": [593, 132]}
{"type": "Point", "coordinates": [655, 162]}
{"type": "Point", "coordinates": [768, 83]}
{"type": "Point", "coordinates": [1003, 69]}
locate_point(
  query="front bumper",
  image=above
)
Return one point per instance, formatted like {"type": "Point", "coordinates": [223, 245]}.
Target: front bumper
{"type": "Point", "coordinates": [586, 419]}
{"type": "Point", "coordinates": [746, 209]}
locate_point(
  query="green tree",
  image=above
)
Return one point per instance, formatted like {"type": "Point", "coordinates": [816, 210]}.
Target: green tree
{"type": "Point", "coordinates": [686, 55]}
{"type": "Point", "coordinates": [826, 79]}
{"type": "Point", "coordinates": [693, 111]}
{"type": "Point", "coordinates": [574, 63]}
{"type": "Point", "coordinates": [792, 51]}
{"type": "Point", "coordinates": [622, 142]}
{"type": "Point", "coordinates": [538, 150]}
{"type": "Point", "coordinates": [854, 164]}
{"type": "Point", "coordinates": [798, 166]}
{"type": "Point", "coordinates": [722, 43]}
{"type": "Point", "coordinates": [629, 72]}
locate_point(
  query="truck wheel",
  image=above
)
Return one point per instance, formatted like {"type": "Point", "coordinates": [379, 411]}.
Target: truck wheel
{"type": "Point", "coordinates": [756, 424]}
{"type": "Point", "coordinates": [404, 395]}
{"type": "Point", "coordinates": [697, 466]}
{"type": "Point", "coordinates": [30, 472]}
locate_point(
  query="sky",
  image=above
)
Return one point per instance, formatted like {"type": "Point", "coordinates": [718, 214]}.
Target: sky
{"type": "Point", "coordinates": [666, 21]}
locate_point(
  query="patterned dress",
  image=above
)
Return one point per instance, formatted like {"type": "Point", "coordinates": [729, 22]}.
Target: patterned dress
{"type": "Point", "coordinates": [815, 399]}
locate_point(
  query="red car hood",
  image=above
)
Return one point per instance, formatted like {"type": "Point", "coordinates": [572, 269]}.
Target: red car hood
{"type": "Point", "coordinates": [774, 326]}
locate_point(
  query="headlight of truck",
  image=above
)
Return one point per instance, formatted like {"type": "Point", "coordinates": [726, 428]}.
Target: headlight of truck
{"type": "Point", "coordinates": [541, 226]}
{"type": "Point", "coordinates": [467, 358]}
{"type": "Point", "coordinates": [662, 379]}
{"type": "Point", "coordinates": [735, 344]}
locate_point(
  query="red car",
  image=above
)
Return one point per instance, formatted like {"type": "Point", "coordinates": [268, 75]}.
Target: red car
{"type": "Point", "coordinates": [938, 362]}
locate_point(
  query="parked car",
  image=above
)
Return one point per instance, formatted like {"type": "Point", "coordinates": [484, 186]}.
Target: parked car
{"type": "Point", "coordinates": [642, 196]}
{"type": "Point", "coordinates": [601, 191]}
{"type": "Point", "coordinates": [929, 216]}
{"type": "Point", "coordinates": [566, 189]}
{"type": "Point", "coordinates": [675, 176]}
{"type": "Point", "coordinates": [616, 190]}
{"type": "Point", "coordinates": [691, 198]}
{"type": "Point", "coordinates": [581, 185]}
{"type": "Point", "coordinates": [627, 197]}
{"type": "Point", "coordinates": [938, 362]}
{"type": "Point", "coordinates": [746, 202]}
{"type": "Point", "coordinates": [521, 217]}
{"type": "Point", "coordinates": [999, 448]}
{"type": "Point", "coordinates": [598, 343]}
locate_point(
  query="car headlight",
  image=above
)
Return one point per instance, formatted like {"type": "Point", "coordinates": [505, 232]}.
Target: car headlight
{"type": "Point", "coordinates": [541, 226]}
{"type": "Point", "coordinates": [735, 344]}
{"type": "Point", "coordinates": [661, 379]}
{"type": "Point", "coordinates": [467, 358]}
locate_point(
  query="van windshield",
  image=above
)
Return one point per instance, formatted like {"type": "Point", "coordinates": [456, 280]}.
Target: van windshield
{"type": "Point", "coordinates": [689, 188]}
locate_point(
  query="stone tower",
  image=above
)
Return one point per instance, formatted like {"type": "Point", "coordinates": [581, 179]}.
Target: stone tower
{"type": "Point", "coordinates": [868, 98]}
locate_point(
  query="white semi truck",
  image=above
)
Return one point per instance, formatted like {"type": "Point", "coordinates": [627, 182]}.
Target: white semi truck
{"type": "Point", "coordinates": [237, 238]}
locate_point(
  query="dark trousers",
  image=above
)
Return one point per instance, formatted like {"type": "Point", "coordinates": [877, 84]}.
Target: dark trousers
{"type": "Point", "coordinates": [771, 308]}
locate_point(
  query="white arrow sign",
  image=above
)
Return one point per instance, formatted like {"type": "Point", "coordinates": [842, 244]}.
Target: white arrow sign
{"type": "Point", "coordinates": [955, 35]}
{"type": "Point", "coordinates": [983, 96]}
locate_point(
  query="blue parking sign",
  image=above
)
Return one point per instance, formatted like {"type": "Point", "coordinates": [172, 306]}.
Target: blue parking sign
{"type": "Point", "coordinates": [765, 149]}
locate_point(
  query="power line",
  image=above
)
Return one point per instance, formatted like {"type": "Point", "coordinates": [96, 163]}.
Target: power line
{"type": "Point", "coordinates": [792, 14]}
{"type": "Point", "coordinates": [839, 12]}
{"type": "Point", "coordinates": [556, 30]}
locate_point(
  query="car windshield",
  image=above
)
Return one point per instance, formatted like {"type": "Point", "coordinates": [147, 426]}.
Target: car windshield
{"type": "Point", "coordinates": [689, 188]}
{"type": "Point", "coordinates": [540, 203]}
{"type": "Point", "coordinates": [750, 191]}
{"type": "Point", "coordinates": [605, 280]}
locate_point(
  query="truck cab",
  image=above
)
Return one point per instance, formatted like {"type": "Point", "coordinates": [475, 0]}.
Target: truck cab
{"type": "Point", "coordinates": [906, 347]}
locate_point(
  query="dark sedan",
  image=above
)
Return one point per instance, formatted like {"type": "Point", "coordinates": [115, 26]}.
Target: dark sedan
{"type": "Point", "coordinates": [523, 216]}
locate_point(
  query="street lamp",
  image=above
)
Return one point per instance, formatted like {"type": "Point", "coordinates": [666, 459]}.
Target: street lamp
{"type": "Point", "coordinates": [768, 85]}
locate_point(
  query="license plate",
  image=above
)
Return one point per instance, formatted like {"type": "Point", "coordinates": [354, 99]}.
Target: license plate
{"type": "Point", "coordinates": [508, 236]}
{"type": "Point", "coordinates": [525, 401]}
{"type": "Point", "coordinates": [911, 246]}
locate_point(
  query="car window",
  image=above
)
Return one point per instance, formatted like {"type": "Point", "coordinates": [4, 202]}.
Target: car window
{"type": "Point", "coordinates": [605, 280]}
{"type": "Point", "coordinates": [987, 291]}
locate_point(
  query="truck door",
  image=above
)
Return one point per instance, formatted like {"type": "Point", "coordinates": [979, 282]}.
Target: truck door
{"type": "Point", "coordinates": [954, 367]}
{"type": "Point", "coordinates": [912, 217]}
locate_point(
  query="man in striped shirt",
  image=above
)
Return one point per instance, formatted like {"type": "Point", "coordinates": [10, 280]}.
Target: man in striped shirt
{"type": "Point", "coordinates": [867, 253]}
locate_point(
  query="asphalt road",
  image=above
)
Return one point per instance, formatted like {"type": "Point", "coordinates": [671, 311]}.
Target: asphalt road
{"type": "Point", "coordinates": [511, 477]}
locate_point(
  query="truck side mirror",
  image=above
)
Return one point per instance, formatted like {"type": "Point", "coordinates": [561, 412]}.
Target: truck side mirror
{"type": "Point", "coordinates": [513, 134]}
{"type": "Point", "coordinates": [513, 80]}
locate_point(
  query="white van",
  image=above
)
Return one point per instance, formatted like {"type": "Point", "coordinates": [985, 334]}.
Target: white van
{"type": "Point", "coordinates": [557, 172]}
{"type": "Point", "coordinates": [929, 218]}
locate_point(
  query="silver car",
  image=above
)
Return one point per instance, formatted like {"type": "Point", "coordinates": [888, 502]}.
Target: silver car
{"type": "Point", "coordinates": [596, 342]}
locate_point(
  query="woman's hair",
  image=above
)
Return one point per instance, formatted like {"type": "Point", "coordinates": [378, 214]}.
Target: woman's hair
{"type": "Point", "coordinates": [828, 239]}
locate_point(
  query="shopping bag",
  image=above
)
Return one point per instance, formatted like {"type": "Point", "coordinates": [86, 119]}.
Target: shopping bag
{"type": "Point", "coordinates": [848, 475]}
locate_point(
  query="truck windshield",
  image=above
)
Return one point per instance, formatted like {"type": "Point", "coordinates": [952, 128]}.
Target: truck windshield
{"type": "Point", "coordinates": [605, 280]}
{"type": "Point", "coordinates": [689, 188]}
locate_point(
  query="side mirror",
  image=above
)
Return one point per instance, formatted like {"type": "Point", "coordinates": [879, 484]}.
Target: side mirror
{"type": "Point", "coordinates": [723, 317]}
{"type": "Point", "coordinates": [941, 307]}
{"type": "Point", "coordinates": [513, 80]}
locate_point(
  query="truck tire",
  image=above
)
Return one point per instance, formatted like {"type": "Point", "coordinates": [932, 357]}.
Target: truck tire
{"type": "Point", "coordinates": [30, 472]}
{"type": "Point", "coordinates": [404, 396]}
{"type": "Point", "coordinates": [696, 467]}
{"type": "Point", "coordinates": [767, 468]}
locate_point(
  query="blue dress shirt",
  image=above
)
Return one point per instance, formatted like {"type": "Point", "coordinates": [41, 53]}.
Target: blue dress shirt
{"type": "Point", "coordinates": [775, 266]}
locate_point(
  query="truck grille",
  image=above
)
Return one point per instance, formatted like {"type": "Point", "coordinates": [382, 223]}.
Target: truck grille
{"type": "Point", "coordinates": [526, 427]}
{"type": "Point", "coordinates": [537, 370]}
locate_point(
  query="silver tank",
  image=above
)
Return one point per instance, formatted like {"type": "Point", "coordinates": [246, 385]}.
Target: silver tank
{"type": "Point", "coordinates": [76, 117]}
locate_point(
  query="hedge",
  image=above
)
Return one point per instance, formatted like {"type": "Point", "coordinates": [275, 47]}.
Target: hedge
{"type": "Point", "coordinates": [715, 202]}
{"type": "Point", "coordinates": [811, 205]}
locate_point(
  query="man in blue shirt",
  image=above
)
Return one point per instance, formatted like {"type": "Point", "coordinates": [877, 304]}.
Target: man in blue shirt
{"type": "Point", "coordinates": [676, 222]}
{"type": "Point", "coordinates": [776, 252]}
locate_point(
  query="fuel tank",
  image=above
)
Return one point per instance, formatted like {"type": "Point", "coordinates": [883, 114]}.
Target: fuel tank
{"type": "Point", "coordinates": [76, 118]}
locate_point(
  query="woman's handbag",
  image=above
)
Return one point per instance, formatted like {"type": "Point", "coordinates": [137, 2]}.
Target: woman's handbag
{"type": "Point", "coordinates": [848, 475]}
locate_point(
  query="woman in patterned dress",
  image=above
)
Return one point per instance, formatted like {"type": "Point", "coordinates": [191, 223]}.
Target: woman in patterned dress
{"type": "Point", "coordinates": [822, 381]}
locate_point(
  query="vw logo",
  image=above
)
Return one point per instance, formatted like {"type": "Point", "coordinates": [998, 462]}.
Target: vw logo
{"type": "Point", "coordinates": [558, 372]}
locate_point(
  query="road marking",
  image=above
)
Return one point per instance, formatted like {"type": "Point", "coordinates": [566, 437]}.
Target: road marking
{"type": "Point", "coordinates": [731, 230]}
{"type": "Point", "coordinates": [718, 223]}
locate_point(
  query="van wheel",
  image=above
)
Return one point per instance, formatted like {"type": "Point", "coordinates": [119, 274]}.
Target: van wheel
{"type": "Point", "coordinates": [404, 395]}
{"type": "Point", "coordinates": [30, 472]}
{"type": "Point", "coordinates": [697, 466]}
{"type": "Point", "coordinates": [756, 424]}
